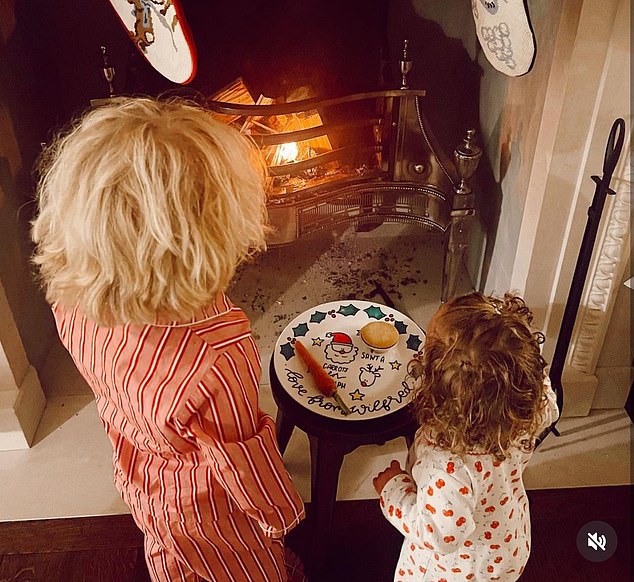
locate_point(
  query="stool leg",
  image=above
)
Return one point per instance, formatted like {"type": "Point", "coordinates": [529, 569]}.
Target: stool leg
{"type": "Point", "coordinates": [284, 430]}
{"type": "Point", "coordinates": [326, 458]}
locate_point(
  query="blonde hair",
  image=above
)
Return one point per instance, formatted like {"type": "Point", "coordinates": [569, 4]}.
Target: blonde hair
{"type": "Point", "coordinates": [480, 376]}
{"type": "Point", "coordinates": [146, 208]}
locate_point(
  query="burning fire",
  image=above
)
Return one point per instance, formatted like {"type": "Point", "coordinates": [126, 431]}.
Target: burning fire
{"type": "Point", "coordinates": [287, 153]}
{"type": "Point", "coordinates": [283, 154]}
{"type": "Point", "coordinates": [290, 152]}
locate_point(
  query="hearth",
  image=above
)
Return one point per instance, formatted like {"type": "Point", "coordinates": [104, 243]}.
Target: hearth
{"type": "Point", "coordinates": [365, 158]}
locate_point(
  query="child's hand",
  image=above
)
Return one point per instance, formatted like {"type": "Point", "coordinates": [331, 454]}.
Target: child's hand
{"type": "Point", "coordinates": [384, 476]}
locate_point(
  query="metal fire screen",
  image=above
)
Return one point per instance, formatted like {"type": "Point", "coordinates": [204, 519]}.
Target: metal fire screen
{"type": "Point", "coordinates": [377, 161]}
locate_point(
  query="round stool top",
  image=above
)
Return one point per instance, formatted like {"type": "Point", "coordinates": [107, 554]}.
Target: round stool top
{"type": "Point", "coordinates": [371, 382]}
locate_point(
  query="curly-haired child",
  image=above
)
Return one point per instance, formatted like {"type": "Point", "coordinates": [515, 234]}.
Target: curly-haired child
{"type": "Point", "coordinates": [146, 207]}
{"type": "Point", "coordinates": [481, 398]}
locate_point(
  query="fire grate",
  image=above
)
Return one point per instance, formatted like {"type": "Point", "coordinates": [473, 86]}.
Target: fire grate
{"type": "Point", "coordinates": [366, 158]}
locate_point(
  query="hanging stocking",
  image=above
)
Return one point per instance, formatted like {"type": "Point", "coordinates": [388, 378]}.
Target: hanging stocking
{"type": "Point", "coordinates": [160, 32]}
{"type": "Point", "coordinates": [505, 34]}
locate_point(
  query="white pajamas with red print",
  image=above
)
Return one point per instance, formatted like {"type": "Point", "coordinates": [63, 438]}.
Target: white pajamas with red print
{"type": "Point", "coordinates": [463, 517]}
{"type": "Point", "coordinates": [195, 459]}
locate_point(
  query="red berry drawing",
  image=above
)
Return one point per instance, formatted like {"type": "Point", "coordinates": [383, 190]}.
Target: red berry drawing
{"type": "Point", "coordinates": [440, 483]}
{"type": "Point", "coordinates": [390, 510]}
{"type": "Point", "coordinates": [430, 508]}
{"type": "Point", "coordinates": [399, 514]}
{"type": "Point", "coordinates": [495, 524]}
{"type": "Point", "coordinates": [429, 528]}
{"type": "Point", "coordinates": [464, 490]}
{"type": "Point", "coordinates": [460, 521]}
{"type": "Point", "coordinates": [508, 538]}
{"type": "Point", "coordinates": [487, 535]}
{"type": "Point", "coordinates": [495, 546]}
{"type": "Point", "coordinates": [430, 491]}
{"type": "Point", "coordinates": [487, 475]}
{"type": "Point", "coordinates": [489, 568]}
{"type": "Point", "coordinates": [465, 556]}
{"type": "Point", "coordinates": [468, 543]}
{"type": "Point", "coordinates": [447, 512]}
{"type": "Point", "coordinates": [450, 467]}
{"type": "Point", "coordinates": [498, 559]}
{"type": "Point", "coordinates": [504, 501]}
{"type": "Point", "coordinates": [478, 466]}
{"type": "Point", "coordinates": [428, 545]}
{"type": "Point", "coordinates": [490, 509]}
{"type": "Point", "coordinates": [449, 539]}
{"type": "Point", "coordinates": [405, 528]}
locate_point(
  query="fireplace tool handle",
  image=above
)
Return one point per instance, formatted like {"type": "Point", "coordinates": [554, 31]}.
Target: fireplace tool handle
{"type": "Point", "coordinates": [612, 153]}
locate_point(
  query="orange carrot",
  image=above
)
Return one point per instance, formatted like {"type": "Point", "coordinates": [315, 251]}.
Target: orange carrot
{"type": "Point", "coordinates": [323, 379]}
{"type": "Point", "coordinates": [324, 382]}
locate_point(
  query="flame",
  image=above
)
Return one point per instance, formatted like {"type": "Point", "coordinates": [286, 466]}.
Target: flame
{"type": "Point", "coordinates": [290, 152]}
{"type": "Point", "coordinates": [287, 153]}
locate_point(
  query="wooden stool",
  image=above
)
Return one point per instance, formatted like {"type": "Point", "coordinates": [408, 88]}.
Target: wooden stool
{"type": "Point", "coordinates": [330, 440]}
{"type": "Point", "coordinates": [373, 384]}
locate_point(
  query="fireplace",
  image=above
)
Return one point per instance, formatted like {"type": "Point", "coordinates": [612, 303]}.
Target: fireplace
{"type": "Point", "coordinates": [543, 135]}
{"type": "Point", "coordinates": [365, 158]}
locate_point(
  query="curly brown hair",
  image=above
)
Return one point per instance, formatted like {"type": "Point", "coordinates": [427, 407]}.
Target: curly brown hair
{"type": "Point", "coordinates": [480, 376]}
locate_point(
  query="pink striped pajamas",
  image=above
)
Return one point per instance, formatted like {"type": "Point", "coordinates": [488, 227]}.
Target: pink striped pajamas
{"type": "Point", "coordinates": [195, 458]}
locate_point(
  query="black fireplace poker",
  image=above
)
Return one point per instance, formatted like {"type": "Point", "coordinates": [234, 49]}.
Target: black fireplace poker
{"type": "Point", "coordinates": [612, 153]}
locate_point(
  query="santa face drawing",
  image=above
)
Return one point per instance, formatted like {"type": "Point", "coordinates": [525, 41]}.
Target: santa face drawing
{"type": "Point", "coordinates": [340, 350]}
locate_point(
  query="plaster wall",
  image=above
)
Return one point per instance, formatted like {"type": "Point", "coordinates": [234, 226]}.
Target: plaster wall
{"type": "Point", "coordinates": [614, 367]}
{"type": "Point", "coordinates": [21, 130]}
{"type": "Point", "coordinates": [510, 116]}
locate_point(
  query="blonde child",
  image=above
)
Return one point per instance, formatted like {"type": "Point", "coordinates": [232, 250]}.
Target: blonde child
{"type": "Point", "coordinates": [481, 399]}
{"type": "Point", "coordinates": [146, 207]}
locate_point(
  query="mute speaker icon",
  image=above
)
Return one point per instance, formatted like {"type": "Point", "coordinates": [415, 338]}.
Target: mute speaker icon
{"type": "Point", "coordinates": [596, 541]}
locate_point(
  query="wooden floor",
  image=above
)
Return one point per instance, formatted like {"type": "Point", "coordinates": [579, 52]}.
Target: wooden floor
{"type": "Point", "coordinates": [365, 546]}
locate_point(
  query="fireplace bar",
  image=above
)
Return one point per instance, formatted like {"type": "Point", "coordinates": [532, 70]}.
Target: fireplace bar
{"type": "Point", "coordinates": [385, 165]}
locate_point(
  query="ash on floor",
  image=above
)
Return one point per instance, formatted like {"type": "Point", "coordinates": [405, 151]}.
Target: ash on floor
{"type": "Point", "coordinates": [393, 263]}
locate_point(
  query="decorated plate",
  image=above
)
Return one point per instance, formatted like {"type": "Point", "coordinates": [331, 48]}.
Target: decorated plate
{"type": "Point", "coordinates": [370, 382]}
